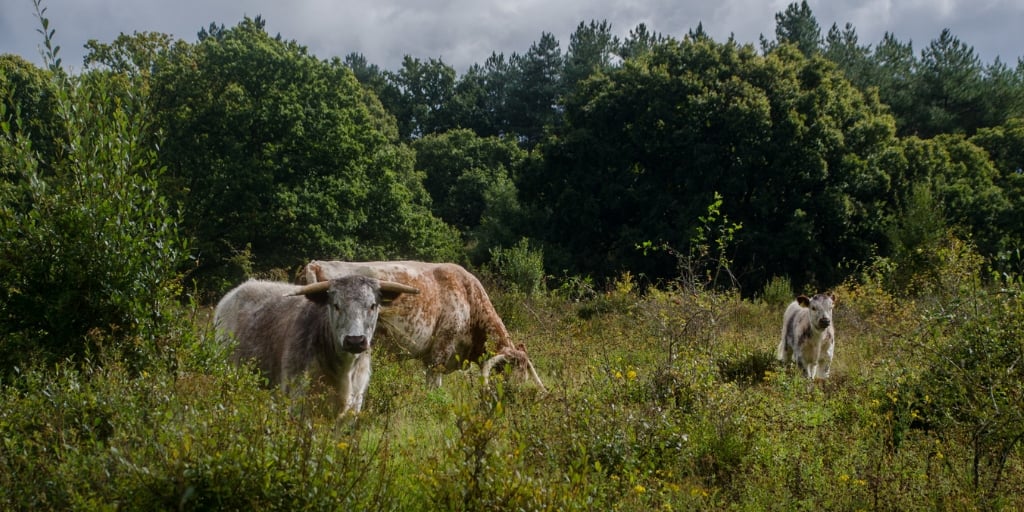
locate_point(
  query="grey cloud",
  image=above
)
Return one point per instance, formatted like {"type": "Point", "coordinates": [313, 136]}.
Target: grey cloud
{"type": "Point", "coordinates": [463, 32]}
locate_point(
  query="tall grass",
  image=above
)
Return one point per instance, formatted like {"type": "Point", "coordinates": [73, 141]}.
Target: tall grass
{"type": "Point", "coordinates": [716, 426]}
{"type": "Point", "coordinates": [661, 400]}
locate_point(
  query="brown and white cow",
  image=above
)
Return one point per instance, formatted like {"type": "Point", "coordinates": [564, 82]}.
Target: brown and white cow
{"type": "Point", "coordinates": [324, 330]}
{"type": "Point", "coordinates": [808, 335]}
{"type": "Point", "coordinates": [446, 324]}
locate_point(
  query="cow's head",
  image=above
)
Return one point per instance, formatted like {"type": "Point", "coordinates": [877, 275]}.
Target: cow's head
{"type": "Point", "coordinates": [820, 308]}
{"type": "Point", "coordinates": [352, 304]}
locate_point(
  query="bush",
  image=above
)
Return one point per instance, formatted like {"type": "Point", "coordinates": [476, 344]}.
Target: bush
{"type": "Point", "coordinates": [973, 384]}
{"type": "Point", "coordinates": [519, 268]}
{"type": "Point", "coordinates": [88, 252]}
{"type": "Point", "coordinates": [777, 292]}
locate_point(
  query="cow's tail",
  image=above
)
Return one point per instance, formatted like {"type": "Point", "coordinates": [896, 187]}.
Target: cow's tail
{"type": "Point", "coordinates": [780, 351]}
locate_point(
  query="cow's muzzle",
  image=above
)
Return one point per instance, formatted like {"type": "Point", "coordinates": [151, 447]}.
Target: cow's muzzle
{"type": "Point", "coordinates": [355, 344]}
{"type": "Point", "coordinates": [824, 323]}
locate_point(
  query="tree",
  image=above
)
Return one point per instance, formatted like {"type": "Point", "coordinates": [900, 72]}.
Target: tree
{"type": "Point", "coordinates": [370, 75]}
{"type": "Point", "coordinates": [535, 90]}
{"type": "Point", "coordinates": [965, 183]}
{"type": "Point", "coordinates": [948, 89]}
{"type": "Point", "coordinates": [27, 97]}
{"type": "Point", "coordinates": [640, 40]}
{"type": "Point", "coordinates": [89, 250]}
{"type": "Point", "coordinates": [1005, 146]}
{"type": "Point", "coordinates": [137, 54]}
{"type": "Point", "coordinates": [420, 95]}
{"type": "Point", "coordinates": [470, 179]}
{"type": "Point", "coordinates": [1002, 97]}
{"type": "Point", "coordinates": [853, 59]}
{"type": "Point", "coordinates": [277, 157]}
{"type": "Point", "coordinates": [481, 100]}
{"type": "Point", "coordinates": [894, 73]}
{"type": "Point", "coordinates": [797, 26]}
{"type": "Point", "coordinates": [591, 48]}
{"type": "Point", "coordinates": [788, 143]}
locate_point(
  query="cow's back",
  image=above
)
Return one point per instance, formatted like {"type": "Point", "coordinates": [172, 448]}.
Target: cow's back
{"type": "Point", "coordinates": [259, 318]}
{"type": "Point", "coordinates": [452, 306]}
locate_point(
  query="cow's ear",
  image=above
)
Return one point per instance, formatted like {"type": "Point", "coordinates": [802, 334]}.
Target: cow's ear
{"type": "Point", "coordinates": [318, 271]}
{"type": "Point", "coordinates": [803, 300]}
{"type": "Point", "coordinates": [387, 297]}
{"type": "Point", "coordinates": [389, 291]}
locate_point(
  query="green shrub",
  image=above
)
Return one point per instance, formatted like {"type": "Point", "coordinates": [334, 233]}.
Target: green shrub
{"type": "Point", "coordinates": [519, 267]}
{"type": "Point", "coordinates": [88, 251]}
{"type": "Point", "coordinates": [973, 384]}
{"type": "Point", "coordinates": [777, 292]}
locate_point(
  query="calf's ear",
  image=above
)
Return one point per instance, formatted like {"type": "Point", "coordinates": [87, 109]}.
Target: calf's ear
{"type": "Point", "coordinates": [803, 301]}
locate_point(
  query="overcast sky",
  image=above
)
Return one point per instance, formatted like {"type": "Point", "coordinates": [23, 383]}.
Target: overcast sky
{"type": "Point", "coordinates": [464, 32]}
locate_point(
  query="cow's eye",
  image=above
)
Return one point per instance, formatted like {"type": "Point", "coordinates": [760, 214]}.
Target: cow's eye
{"type": "Point", "coordinates": [373, 307]}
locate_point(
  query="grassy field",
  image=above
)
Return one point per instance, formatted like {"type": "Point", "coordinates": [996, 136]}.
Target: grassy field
{"type": "Point", "coordinates": [665, 401]}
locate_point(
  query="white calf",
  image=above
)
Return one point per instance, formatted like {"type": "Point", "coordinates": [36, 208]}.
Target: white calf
{"type": "Point", "coordinates": [808, 336]}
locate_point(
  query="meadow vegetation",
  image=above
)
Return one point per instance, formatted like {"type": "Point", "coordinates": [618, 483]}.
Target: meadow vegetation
{"type": "Point", "coordinates": [664, 400]}
{"type": "Point", "coordinates": [663, 391]}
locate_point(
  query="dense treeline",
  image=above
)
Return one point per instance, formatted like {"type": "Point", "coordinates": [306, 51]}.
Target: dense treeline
{"type": "Point", "coordinates": [806, 158]}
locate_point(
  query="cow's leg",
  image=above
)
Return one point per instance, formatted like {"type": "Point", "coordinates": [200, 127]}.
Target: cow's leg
{"type": "Point", "coordinates": [433, 378]}
{"type": "Point", "coordinates": [360, 381]}
{"type": "Point", "coordinates": [825, 365]}
{"type": "Point", "coordinates": [340, 388]}
{"type": "Point", "coordinates": [784, 352]}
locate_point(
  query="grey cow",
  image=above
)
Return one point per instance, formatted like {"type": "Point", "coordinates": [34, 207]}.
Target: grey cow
{"type": "Point", "coordinates": [323, 329]}
{"type": "Point", "coordinates": [808, 335]}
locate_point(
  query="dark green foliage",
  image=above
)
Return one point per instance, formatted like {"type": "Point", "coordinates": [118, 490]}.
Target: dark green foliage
{"type": "Point", "coordinates": [420, 95]}
{"type": "Point", "coordinates": [948, 90]}
{"type": "Point", "coordinates": [271, 149]}
{"type": "Point", "coordinates": [519, 268]}
{"type": "Point", "coordinates": [965, 184]}
{"type": "Point", "coordinates": [973, 384]}
{"type": "Point", "coordinates": [797, 26]}
{"type": "Point", "coordinates": [590, 51]}
{"type": "Point", "coordinates": [916, 236]}
{"type": "Point", "coordinates": [534, 90]}
{"type": "Point", "coordinates": [88, 249]}
{"type": "Point", "coordinates": [791, 147]}
{"type": "Point", "coordinates": [28, 98]}
{"type": "Point", "coordinates": [1005, 145]}
{"type": "Point", "coordinates": [471, 183]}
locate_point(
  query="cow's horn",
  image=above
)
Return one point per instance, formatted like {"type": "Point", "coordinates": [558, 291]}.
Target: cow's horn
{"type": "Point", "coordinates": [387, 286]}
{"type": "Point", "coordinates": [317, 287]}
{"type": "Point", "coordinates": [391, 286]}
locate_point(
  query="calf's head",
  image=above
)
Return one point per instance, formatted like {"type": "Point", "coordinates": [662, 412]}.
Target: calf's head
{"type": "Point", "coordinates": [352, 304]}
{"type": "Point", "coordinates": [820, 307]}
